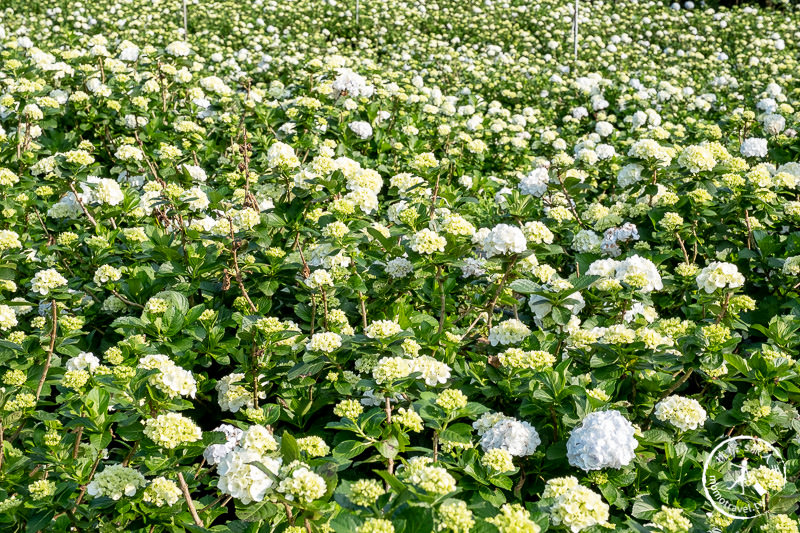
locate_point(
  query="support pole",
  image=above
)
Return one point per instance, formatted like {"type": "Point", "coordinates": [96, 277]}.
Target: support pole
{"type": "Point", "coordinates": [185, 32]}
{"type": "Point", "coordinates": [575, 30]}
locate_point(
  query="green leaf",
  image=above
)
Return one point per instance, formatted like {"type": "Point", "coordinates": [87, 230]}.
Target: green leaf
{"type": "Point", "coordinates": [349, 449]}
{"type": "Point", "coordinates": [306, 369]}
{"type": "Point", "coordinates": [39, 520]}
{"type": "Point", "coordinates": [289, 450]}
{"type": "Point", "coordinates": [583, 282]}
{"type": "Point", "coordinates": [504, 482]}
{"type": "Point", "coordinates": [561, 315]}
{"type": "Point", "coordinates": [11, 345]}
{"type": "Point", "coordinates": [256, 511]}
{"type": "Point", "coordinates": [644, 507]}
{"type": "Point", "coordinates": [609, 492]}
{"type": "Point", "coordinates": [457, 433]}
{"type": "Point", "coordinates": [97, 402]}
{"type": "Point", "coordinates": [656, 436]}
{"type": "Point", "coordinates": [396, 485]}
{"type": "Point", "coordinates": [414, 520]}
{"type": "Point", "coordinates": [388, 448]}
{"type": "Point", "coordinates": [524, 286]}
{"type": "Point", "coordinates": [345, 522]}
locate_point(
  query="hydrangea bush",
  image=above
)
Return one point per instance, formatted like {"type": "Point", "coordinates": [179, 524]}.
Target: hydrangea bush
{"type": "Point", "coordinates": [417, 270]}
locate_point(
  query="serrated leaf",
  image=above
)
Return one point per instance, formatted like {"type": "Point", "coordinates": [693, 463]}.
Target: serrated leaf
{"type": "Point", "coordinates": [524, 286]}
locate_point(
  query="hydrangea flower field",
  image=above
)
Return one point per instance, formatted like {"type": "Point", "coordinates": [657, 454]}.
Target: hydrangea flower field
{"type": "Point", "coordinates": [399, 266]}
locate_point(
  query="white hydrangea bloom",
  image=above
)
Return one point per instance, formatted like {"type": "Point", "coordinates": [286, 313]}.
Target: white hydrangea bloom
{"type": "Point", "coordinates": [511, 331]}
{"type": "Point", "coordinates": [83, 361]}
{"type": "Point", "coordinates": [636, 266]}
{"type": "Point", "coordinates": [719, 275]}
{"type": "Point", "coordinates": [363, 130]}
{"type": "Point", "coordinates": [240, 478]}
{"type": "Point", "coordinates": [535, 182]}
{"type": "Point", "coordinates": [326, 341]}
{"type": "Point", "coordinates": [214, 453]}
{"type": "Point", "coordinates": [351, 84]}
{"type": "Point", "coordinates": [178, 49]}
{"type": "Point", "coordinates": [399, 267]}
{"type": "Point", "coordinates": [683, 413]}
{"type": "Point", "coordinates": [605, 439]}
{"type": "Point", "coordinates": [433, 372]}
{"type": "Point", "coordinates": [517, 437]}
{"type": "Point", "coordinates": [754, 147]}
{"type": "Point", "coordinates": [504, 239]}
{"type": "Point", "coordinates": [116, 481]}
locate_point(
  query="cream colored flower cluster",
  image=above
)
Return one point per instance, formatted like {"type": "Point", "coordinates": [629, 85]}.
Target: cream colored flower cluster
{"type": "Point", "coordinates": [171, 430]}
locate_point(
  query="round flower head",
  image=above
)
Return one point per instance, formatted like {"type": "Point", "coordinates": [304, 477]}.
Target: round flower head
{"type": "Point", "coordinates": [116, 481]}
{"type": "Point", "coordinates": [376, 525]}
{"type": "Point", "coordinates": [671, 520]}
{"type": "Point", "coordinates": [170, 430]}
{"type": "Point", "coordinates": [178, 49]}
{"type": "Point", "coordinates": [455, 515]}
{"type": "Point", "coordinates": [172, 379]}
{"type": "Point", "coordinates": [498, 460]}
{"type": "Point", "coordinates": [433, 479]}
{"type": "Point", "coordinates": [46, 280]}
{"type": "Point", "coordinates": [535, 182]}
{"type": "Point", "coordinates": [640, 273]}
{"type": "Point", "coordinates": [603, 440]}
{"type": "Point", "coordinates": [573, 505]}
{"type": "Point", "coordinates": [300, 483]}
{"type": "Point", "coordinates": [162, 491]}
{"type": "Point", "coordinates": [381, 329]}
{"type": "Point", "coordinates": [697, 159]}
{"type": "Point", "coordinates": [364, 492]}
{"type": "Point", "coordinates": [433, 372]}
{"type": "Point", "coordinates": [504, 239]}
{"type": "Point", "coordinates": [83, 361]}
{"type": "Point", "coordinates": [8, 318]}
{"type": "Point", "coordinates": [363, 130]}
{"type": "Point", "coordinates": [517, 437]}
{"type": "Point", "coordinates": [765, 479]}
{"type": "Point", "coordinates": [390, 369]}
{"type": "Point", "coordinates": [9, 239]}
{"type": "Point", "coordinates": [514, 518]}
{"type": "Point", "coordinates": [243, 480]}
{"type": "Point", "coordinates": [399, 267]}
{"type": "Point", "coordinates": [719, 275]}
{"type": "Point", "coordinates": [511, 331]}
{"type": "Point", "coordinates": [351, 84]}
{"type": "Point", "coordinates": [326, 342]}
{"type": "Point", "coordinates": [779, 523]}
{"type": "Point", "coordinates": [41, 489]}
{"type": "Point", "coordinates": [281, 155]}
{"type": "Point", "coordinates": [427, 242]}
{"type": "Point", "coordinates": [683, 413]}
{"type": "Point", "coordinates": [754, 147]}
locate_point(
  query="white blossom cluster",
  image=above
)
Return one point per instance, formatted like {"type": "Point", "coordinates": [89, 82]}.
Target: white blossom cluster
{"type": "Point", "coordinates": [497, 430]}
{"type": "Point", "coordinates": [351, 239]}
{"type": "Point", "coordinates": [683, 413]}
{"type": "Point", "coordinates": [604, 439]}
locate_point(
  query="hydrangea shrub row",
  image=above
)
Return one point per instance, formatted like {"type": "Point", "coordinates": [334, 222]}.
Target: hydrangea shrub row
{"type": "Point", "coordinates": [417, 270]}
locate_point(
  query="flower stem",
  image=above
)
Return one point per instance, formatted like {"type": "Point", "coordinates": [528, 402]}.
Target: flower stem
{"type": "Point", "coordinates": [188, 497]}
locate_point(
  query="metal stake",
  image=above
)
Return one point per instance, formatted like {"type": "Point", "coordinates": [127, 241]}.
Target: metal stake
{"type": "Point", "coordinates": [575, 30]}
{"type": "Point", "coordinates": [185, 32]}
